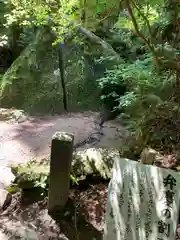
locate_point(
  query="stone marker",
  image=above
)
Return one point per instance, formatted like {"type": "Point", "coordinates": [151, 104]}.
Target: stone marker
{"type": "Point", "coordinates": [60, 167]}
{"type": "Point", "coordinates": [143, 202]}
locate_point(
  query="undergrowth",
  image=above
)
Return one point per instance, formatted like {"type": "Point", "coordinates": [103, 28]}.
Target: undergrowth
{"type": "Point", "coordinates": [150, 106]}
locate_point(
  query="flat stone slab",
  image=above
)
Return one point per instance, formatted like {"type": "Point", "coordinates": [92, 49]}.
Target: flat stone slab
{"type": "Point", "coordinates": [143, 202]}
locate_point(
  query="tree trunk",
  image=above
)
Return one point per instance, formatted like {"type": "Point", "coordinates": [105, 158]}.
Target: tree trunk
{"type": "Point", "coordinates": [62, 74]}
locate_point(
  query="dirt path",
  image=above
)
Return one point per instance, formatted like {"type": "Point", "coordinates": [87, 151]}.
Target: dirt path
{"type": "Point", "coordinates": [32, 138]}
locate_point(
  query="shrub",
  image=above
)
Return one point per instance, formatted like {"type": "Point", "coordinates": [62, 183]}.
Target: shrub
{"type": "Point", "coordinates": [149, 103]}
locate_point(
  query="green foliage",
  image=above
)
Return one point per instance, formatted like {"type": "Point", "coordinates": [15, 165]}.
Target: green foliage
{"type": "Point", "coordinates": [152, 77]}
{"type": "Point", "coordinates": [152, 94]}
{"type": "Point", "coordinates": [146, 36]}
{"type": "Point", "coordinates": [139, 78]}
{"type": "Point", "coordinates": [159, 127]}
{"type": "Point", "coordinates": [59, 14]}
{"type": "Point", "coordinates": [36, 71]}
{"type": "Point", "coordinates": [33, 174]}
{"type": "Point", "coordinates": [74, 180]}
{"type": "Point", "coordinates": [13, 188]}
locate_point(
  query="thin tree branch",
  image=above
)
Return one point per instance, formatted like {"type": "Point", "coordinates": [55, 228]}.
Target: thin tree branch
{"type": "Point", "coordinates": [145, 19]}
{"type": "Point", "coordinates": [150, 46]}
{"type": "Point", "coordinates": [97, 40]}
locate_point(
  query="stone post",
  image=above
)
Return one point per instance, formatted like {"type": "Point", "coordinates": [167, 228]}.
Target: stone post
{"type": "Point", "coordinates": [60, 167]}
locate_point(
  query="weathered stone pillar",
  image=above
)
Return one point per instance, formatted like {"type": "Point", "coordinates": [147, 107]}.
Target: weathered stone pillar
{"type": "Point", "coordinates": [60, 167]}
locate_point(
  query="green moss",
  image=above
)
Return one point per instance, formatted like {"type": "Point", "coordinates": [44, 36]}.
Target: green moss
{"type": "Point", "coordinates": [32, 174]}
{"type": "Point", "coordinates": [98, 162]}
{"type": "Point", "coordinates": [63, 136]}
{"type": "Point", "coordinates": [23, 85]}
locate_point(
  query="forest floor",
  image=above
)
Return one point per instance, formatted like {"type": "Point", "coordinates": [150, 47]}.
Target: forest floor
{"type": "Point", "coordinates": [31, 138]}
{"type": "Point", "coordinates": [82, 218]}
{"type": "Point", "coordinates": [27, 216]}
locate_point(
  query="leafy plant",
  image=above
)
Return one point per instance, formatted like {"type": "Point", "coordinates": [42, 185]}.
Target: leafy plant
{"type": "Point", "coordinates": [74, 180]}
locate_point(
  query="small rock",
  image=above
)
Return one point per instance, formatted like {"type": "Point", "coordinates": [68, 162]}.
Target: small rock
{"type": "Point", "coordinates": [6, 176]}
{"type": "Point", "coordinates": [148, 156]}
{"type": "Point", "coordinates": [152, 157]}
{"type": "Point", "coordinates": [5, 199]}
{"type": "Point", "coordinates": [94, 161]}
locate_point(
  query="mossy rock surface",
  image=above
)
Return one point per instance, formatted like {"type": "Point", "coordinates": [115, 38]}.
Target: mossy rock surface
{"type": "Point", "coordinates": [31, 174]}
{"type": "Point", "coordinates": [33, 82]}
{"type": "Point", "coordinates": [96, 161]}
{"type": "Point", "coordinates": [25, 83]}
{"type": "Point", "coordinates": [91, 161]}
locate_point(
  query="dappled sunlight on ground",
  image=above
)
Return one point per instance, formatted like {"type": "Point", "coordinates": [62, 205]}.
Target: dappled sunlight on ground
{"type": "Point", "coordinates": [32, 138]}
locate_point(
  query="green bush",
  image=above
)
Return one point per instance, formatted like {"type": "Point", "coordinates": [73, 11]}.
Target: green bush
{"type": "Point", "coordinates": [149, 103]}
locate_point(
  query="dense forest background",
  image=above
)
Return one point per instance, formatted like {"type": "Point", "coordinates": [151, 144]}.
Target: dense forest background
{"type": "Point", "coordinates": [125, 54]}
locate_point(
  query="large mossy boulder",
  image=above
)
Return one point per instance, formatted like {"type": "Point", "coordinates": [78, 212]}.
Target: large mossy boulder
{"type": "Point", "coordinates": [32, 174]}
{"type": "Point", "coordinates": [92, 161]}
{"type": "Point", "coordinates": [33, 83]}
{"type": "Point", "coordinates": [25, 83]}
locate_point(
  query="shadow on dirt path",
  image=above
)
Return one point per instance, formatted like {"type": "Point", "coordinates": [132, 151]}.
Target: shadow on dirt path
{"type": "Point", "coordinates": [23, 141]}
